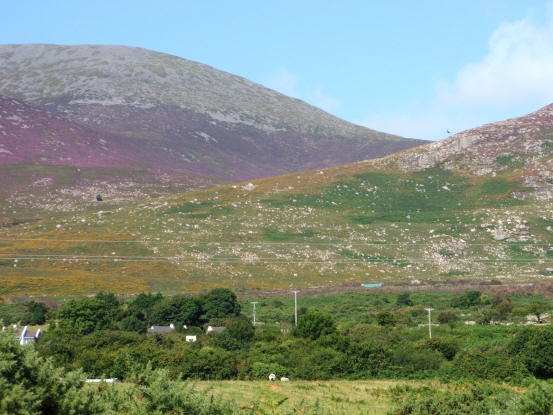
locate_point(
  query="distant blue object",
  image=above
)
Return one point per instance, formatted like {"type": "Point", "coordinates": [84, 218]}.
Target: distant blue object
{"type": "Point", "coordinates": [372, 285]}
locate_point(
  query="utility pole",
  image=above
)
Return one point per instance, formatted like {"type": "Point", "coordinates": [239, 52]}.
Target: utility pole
{"type": "Point", "coordinates": [295, 307]}
{"type": "Point", "coordinates": [429, 321]}
{"type": "Point", "coordinates": [254, 303]}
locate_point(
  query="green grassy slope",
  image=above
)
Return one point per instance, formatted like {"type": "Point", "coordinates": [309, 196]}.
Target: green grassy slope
{"type": "Point", "coordinates": [339, 226]}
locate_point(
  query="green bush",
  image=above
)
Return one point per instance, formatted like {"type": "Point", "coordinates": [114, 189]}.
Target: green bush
{"type": "Point", "coordinates": [30, 384]}
{"type": "Point", "coordinates": [404, 300]}
{"type": "Point", "coordinates": [494, 364]}
{"type": "Point", "coordinates": [537, 400]}
{"type": "Point", "coordinates": [534, 347]}
{"type": "Point", "coordinates": [314, 325]}
{"type": "Point", "coordinates": [85, 315]}
{"type": "Point", "coordinates": [481, 399]}
{"type": "Point", "coordinates": [261, 370]}
{"type": "Point", "coordinates": [446, 346]}
{"type": "Point", "coordinates": [218, 303]}
{"type": "Point", "coordinates": [468, 299]}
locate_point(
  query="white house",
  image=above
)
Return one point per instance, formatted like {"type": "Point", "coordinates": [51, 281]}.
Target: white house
{"type": "Point", "coordinates": [190, 339]}
{"type": "Point", "coordinates": [161, 329]}
{"type": "Point", "coordinates": [24, 335]}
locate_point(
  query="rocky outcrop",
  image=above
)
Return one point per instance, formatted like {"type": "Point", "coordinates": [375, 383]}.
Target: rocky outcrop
{"type": "Point", "coordinates": [522, 145]}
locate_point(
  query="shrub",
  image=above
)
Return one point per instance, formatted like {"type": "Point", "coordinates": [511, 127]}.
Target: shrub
{"type": "Point", "coordinates": [177, 310]}
{"type": "Point", "coordinates": [537, 400]}
{"type": "Point", "coordinates": [320, 363]}
{"type": "Point", "coordinates": [385, 318]}
{"type": "Point", "coordinates": [365, 360]}
{"type": "Point", "coordinates": [448, 317]}
{"type": "Point", "coordinates": [84, 316]}
{"type": "Point", "coordinates": [30, 384]}
{"type": "Point", "coordinates": [261, 370]}
{"type": "Point", "coordinates": [404, 299]}
{"type": "Point", "coordinates": [408, 361]}
{"type": "Point", "coordinates": [210, 363]}
{"type": "Point", "coordinates": [493, 364]}
{"type": "Point", "coordinates": [468, 299]}
{"type": "Point", "coordinates": [447, 347]}
{"type": "Point", "coordinates": [314, 325]}
{"type": "Point", "coordinates": [481, 399]}
{"type": "Point", "coordinates": [153, 392]}
{"type": "Point", "coordinates": [220, 302]}
{"type": "Point", "coordinates": [534, 347]}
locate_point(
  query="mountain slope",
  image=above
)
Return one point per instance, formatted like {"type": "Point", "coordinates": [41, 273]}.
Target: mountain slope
{"type": "Point", "coordinates": [48, 163]}
{"type": "Point", "coordinates": [388, 220]}
{"type": "Point", "coordinates": [189, 115]}
{"type": "Point", "coordinates": [167, 124]}
{"type": "Point", "coordinates": [519, 145]}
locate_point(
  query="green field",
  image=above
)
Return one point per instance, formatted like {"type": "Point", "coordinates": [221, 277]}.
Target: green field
{"type": "Point", "coordinates": [337, 397]}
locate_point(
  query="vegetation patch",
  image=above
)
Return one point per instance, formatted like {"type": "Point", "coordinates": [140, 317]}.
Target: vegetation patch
{"type": "Point", "coordinates": [276, 235]}
{"type": "Point", "coordinates": [509, 161]}
{"type": "Point", "coordinates": [188, 207]}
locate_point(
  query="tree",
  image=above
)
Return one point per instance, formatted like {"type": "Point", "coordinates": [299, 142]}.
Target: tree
{"type": "Point", "coordinates": [448, 317]}
{"type": "Point", "coordinates": [404, 300]}
{"type": "Point", "coordinates": [220, 302]}
{"type": "Point", "coordinates": [448, 347]}
{"type": "Point", "coordinates": [209, 363]}
{"type": "Point", "coordinates": [36, 312]}
{"type": "Point", "coordinates": [238, 335]}
{"type": "Point", "coordinates": [144, 301]}
{"type": "Point", "coordinates": [468, 299]}
{"type": "Point", "coordinates": [534, 346]}
{"type": "Point", "coordinates": [503, 307]}
{"type": "Point", "coordinates": [85, 315]}
{"type": "Point", "coordinates": [142, 305]}
{"type": "Point", "coordinates": [385, 318]}
{"type": "Point", "coordinates": [135, 322]}
{"type": "Point", "coordinates": [177, 310]}
{"type": "Point", "coordinates": [539, 308]}
{"type": "Point", "coordinates": [314, 325]}
{"type": "Point", "coordinates": [30, 384]}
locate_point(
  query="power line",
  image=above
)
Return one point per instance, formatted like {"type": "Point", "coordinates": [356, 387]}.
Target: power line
{"type": "Point", "coordinates": [54, 257]}
{"type": "Point", "coordinates": [172, 242]}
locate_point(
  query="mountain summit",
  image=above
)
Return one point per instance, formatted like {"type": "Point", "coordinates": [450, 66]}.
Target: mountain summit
{"type": "Point", "coordinates": [172, 117]}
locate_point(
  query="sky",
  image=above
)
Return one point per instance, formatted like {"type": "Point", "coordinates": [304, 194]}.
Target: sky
{"type": "Point", "coordinates": [413, 68]}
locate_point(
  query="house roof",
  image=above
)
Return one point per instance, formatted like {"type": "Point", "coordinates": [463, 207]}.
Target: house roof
{"type": "Point", "coordinates": [32, 333]}
{"type": "Point", "coordinates": [160, 329]}
{"type": "Point", "coordinates": [215, 329]}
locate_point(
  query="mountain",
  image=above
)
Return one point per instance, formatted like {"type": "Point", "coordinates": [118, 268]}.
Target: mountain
{"type": "Point", "coordinates": [474, 207]}
{"type": "Point", "coordinates": [168, 118]}
{"type": "Point", "coordinates": [49, 164]}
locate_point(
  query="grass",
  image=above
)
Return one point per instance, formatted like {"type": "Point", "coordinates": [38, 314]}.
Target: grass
{"type": "Point", "coordinates": [346, 226]}
{"type": "Point", "coordinates": [337, 397]}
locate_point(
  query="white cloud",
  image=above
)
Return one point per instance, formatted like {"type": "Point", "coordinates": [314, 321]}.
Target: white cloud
{"type": "Point", "coordinates": [514, 78]}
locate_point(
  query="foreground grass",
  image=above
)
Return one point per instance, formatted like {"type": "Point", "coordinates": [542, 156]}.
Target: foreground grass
{"type": "Point", "coordinates": [337, 397]}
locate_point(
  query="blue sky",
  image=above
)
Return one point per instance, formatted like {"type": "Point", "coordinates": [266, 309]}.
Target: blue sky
{"type": "Point", "coordinates": [414, 68]}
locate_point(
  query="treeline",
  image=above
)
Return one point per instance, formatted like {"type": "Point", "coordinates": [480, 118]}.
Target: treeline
{"type": "Point", "coordinates": [104, 337]}
{"type": "Point", "coordinates": [30, 384]}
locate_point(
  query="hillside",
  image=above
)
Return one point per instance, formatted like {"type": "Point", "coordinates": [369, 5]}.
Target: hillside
{"type": "Point", "coordinates": [51, 165]}
{"type": "Point", "coordinates": [394, 219]}
{"type": "Point", "coordinates": [168, 118]}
